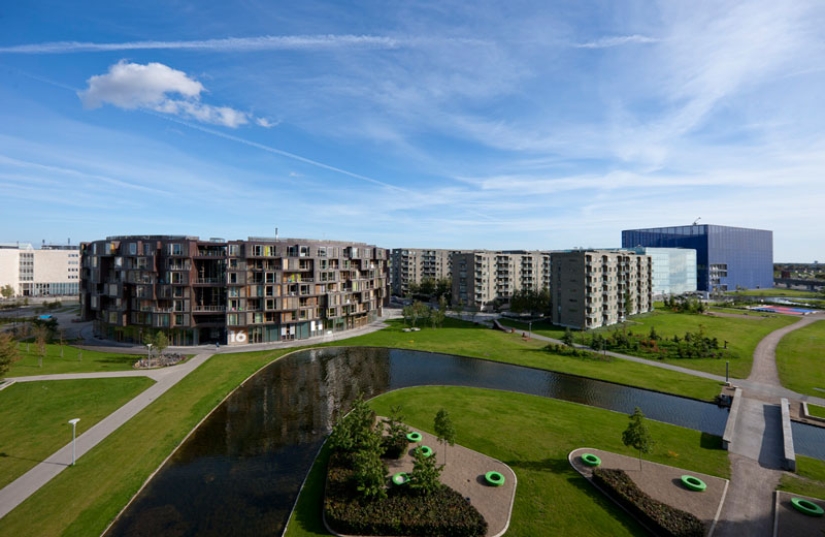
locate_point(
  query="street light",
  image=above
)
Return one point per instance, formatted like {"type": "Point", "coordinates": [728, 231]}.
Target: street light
{"type": "Point", "coordinates": [74, 430]}
{"type": "Point", "coordinates": [148, 355]}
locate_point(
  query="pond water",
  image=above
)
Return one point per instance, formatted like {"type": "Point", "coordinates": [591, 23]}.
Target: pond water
{"type": "Point", "coordinates": [808, 440]}
{"type": "Point", "coordinates": [240, 472]}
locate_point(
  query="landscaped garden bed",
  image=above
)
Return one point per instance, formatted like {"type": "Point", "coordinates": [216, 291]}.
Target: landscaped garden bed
{"type": "Point", "coordinates": [661, 518]}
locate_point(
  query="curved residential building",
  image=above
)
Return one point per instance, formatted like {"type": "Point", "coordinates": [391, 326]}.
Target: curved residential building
{"type": "Point", "coordinates": [235, 292]}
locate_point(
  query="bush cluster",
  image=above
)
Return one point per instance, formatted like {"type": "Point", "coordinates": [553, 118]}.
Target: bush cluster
{"type": "Point", "coordinates": [564, 350]}
{"type": "Point", "coordinates": [690, 345]}
{"type": "Point", "coordinates": [659, 517]}
{"type": "Point", "coordinates": [402, 512]}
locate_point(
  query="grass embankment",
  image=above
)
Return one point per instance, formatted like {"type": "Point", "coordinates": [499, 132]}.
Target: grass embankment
{"type": "Point", "coordinates": [533, 435]}
{"type": "Point", "coordinates": [799, 359]}
{"type": "Point", "coordinates": [743, 334]}
{"type": "Point", "coordinates": [468, 339]}
{"type": "Point", "coordinates": [817, 411]}
{"type": "Point", "coordinates": [74, 360]}
{"type": "Point", "coordinates": [35, 416]}
{"type": "Point", "coordinates": [776, 291]}
{"type": "Point", "coordinates": [84, 499]}
{"type": "Point", "coordinates": [809, 479]}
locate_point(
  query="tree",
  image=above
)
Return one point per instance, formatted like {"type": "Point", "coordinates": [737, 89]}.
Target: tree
{"type": "Point", "coordinates": [567, 338]}
{"type": "Point", "coordinates": [418, 310]}
{"type": "Point", "coordinates": [161, 344]}
{"type": "Point", "coordinates": [425, 477]}
{"type": "Point", "coordinates": [7, 291]}
{"type": "Point", "coordinates": [444, 430]}
{"type": "Point", "coordinates": [8, 352]}
{"type": "Point", "coordinates": [40, 335]}
{"type": "Point", "coordinates": [356, 438]}
{"type": "Point", "coordinates": [354, 430]}
{"type": "Point", "coordinates": [637, 436]}
{"type": "Point", "coordinates": [628, 304]}
{"type": "Point", "coordinates": [395, 442]}
{"type": "Point", "coordinates": [437, 315]}
{"type": "Point", "coordinates": [370, 471]}
{"type": "Point", "coordinates": [62, 335]}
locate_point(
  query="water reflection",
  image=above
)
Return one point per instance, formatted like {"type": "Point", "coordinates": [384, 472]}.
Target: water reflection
{"type": "Point", "coordinates": [239, 473]}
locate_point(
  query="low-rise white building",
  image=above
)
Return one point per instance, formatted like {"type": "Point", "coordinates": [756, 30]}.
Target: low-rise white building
{"type": "Point", "coordinates": [49, 271]}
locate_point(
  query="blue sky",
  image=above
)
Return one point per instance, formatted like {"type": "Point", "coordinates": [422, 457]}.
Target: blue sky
{"type": "Point", "coordinates": [491, 125]}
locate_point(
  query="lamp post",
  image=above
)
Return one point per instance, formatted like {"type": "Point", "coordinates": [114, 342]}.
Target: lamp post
{"type": "Point", "coordinates": [148, 355]}
{"type": "Point", "coordinates": [74, 436]}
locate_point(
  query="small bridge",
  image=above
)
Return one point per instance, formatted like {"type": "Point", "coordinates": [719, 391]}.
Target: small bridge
{"type": "Point", "coordinates": [812, 285]}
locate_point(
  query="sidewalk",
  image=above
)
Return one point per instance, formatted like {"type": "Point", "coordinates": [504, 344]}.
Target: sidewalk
{"type": "Point", "coordinates": [19, 490]}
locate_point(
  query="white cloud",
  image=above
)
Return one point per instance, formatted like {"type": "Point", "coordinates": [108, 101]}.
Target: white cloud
{"type": "Point", "coordinates": [265, 123]}
{"type": "Point", "coordinates": [160, 88]}
{"type": "Point", "coordinates": [607, 42]}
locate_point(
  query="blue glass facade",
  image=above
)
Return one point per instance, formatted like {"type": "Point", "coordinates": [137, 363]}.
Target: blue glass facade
{"type": "Point", "coordinates": [726, 257]}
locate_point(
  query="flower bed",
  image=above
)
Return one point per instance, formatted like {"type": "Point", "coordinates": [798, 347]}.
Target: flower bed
{"type": "Point", "coordinates": [661, 518]}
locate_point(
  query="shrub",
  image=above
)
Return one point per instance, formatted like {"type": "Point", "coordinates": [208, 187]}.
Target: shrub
{"type": "Point", "coordinates": [661, 518]}
{"type": "Point", "coordinates": [402, 512]}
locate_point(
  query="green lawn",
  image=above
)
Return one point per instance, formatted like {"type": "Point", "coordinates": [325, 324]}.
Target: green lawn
{"type": "Point", "coordinates": [742, 335]}
{"type": "Point", "coordinates": [799, 358]}
{"type": "Point", "coordinates": [778, 291]}
{"type": "Point", "coordinates": [83, 500]}
{"type": "Point", "coordinates": [468, 339]}
{"type": "Point", "coordinates": [74, 360]}
{"type": "Point", "coordinates": [534, 435]}
{"type": "Point", "coordinates": [809, 479]}
{"type": "Point", "coordinates": [35, 416]}
{"type": "Point", "coordinates": [817, 411]}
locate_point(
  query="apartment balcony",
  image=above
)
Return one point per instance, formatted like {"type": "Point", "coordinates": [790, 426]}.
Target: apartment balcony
{"type": "Point", "coordinates": [199, 308]}
{"type": "Point", "coordinates": [209, 281]}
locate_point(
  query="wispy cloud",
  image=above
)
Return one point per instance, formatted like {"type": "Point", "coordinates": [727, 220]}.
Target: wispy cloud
{"type": "Point", "coordinates": [154, 86]}
{"type": "Point", "coordinates": [233, 44]}
{"type": "Point", "coordinates": [617, 41]}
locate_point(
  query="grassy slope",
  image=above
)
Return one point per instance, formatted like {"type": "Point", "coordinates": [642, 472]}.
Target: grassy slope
{"type": "Point", "coordinates": [53, 363]}
{"type": "Point", "coordinates": [84, 499]}
{"type": "Point", "coordinates": [35, 416]}
{"type": "Point", "coordinates": [809, 479]}
{"type": "Point", "coordinates": [467, 339]}
{"type": "Point", "coordinates": [799, 357]}
{"type": "Point", "coordinates": [534, 436]}
{"type": "Point", "coordinates": [742, 335]}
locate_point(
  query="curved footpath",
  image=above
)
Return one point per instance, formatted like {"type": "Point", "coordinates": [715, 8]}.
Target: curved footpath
{"type": "Point", "coordinates": [755, 453]}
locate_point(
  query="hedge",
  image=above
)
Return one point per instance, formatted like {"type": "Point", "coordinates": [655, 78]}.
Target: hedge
{"type": "Point", "coordinates": [659, 517]}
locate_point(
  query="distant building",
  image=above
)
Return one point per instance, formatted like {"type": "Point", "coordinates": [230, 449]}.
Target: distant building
{"type": "Point", "coordinates": [484, 279]}
{"type": "Point", "coordinates": [414, 265]}
{"type": "Point", "coordinates": [674, 270]}
{"type": "Point", "coordinates": [726, 257]}
{"type": "Point", "coordinates": [237, 292]}
{"type": "Point", "coordinates": [51, 271]}
{"type": "Point", "coordinates": [594, 288]}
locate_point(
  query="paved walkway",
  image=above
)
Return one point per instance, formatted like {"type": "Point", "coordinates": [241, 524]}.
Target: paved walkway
{"type": "Point", "coordinates": [756, 453]}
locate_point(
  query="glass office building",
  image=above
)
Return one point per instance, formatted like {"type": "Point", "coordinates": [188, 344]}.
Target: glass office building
{"type": "Point", "coordinates": [726, 257]}
{"type": "Point", "coordinates": [674, 270]}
